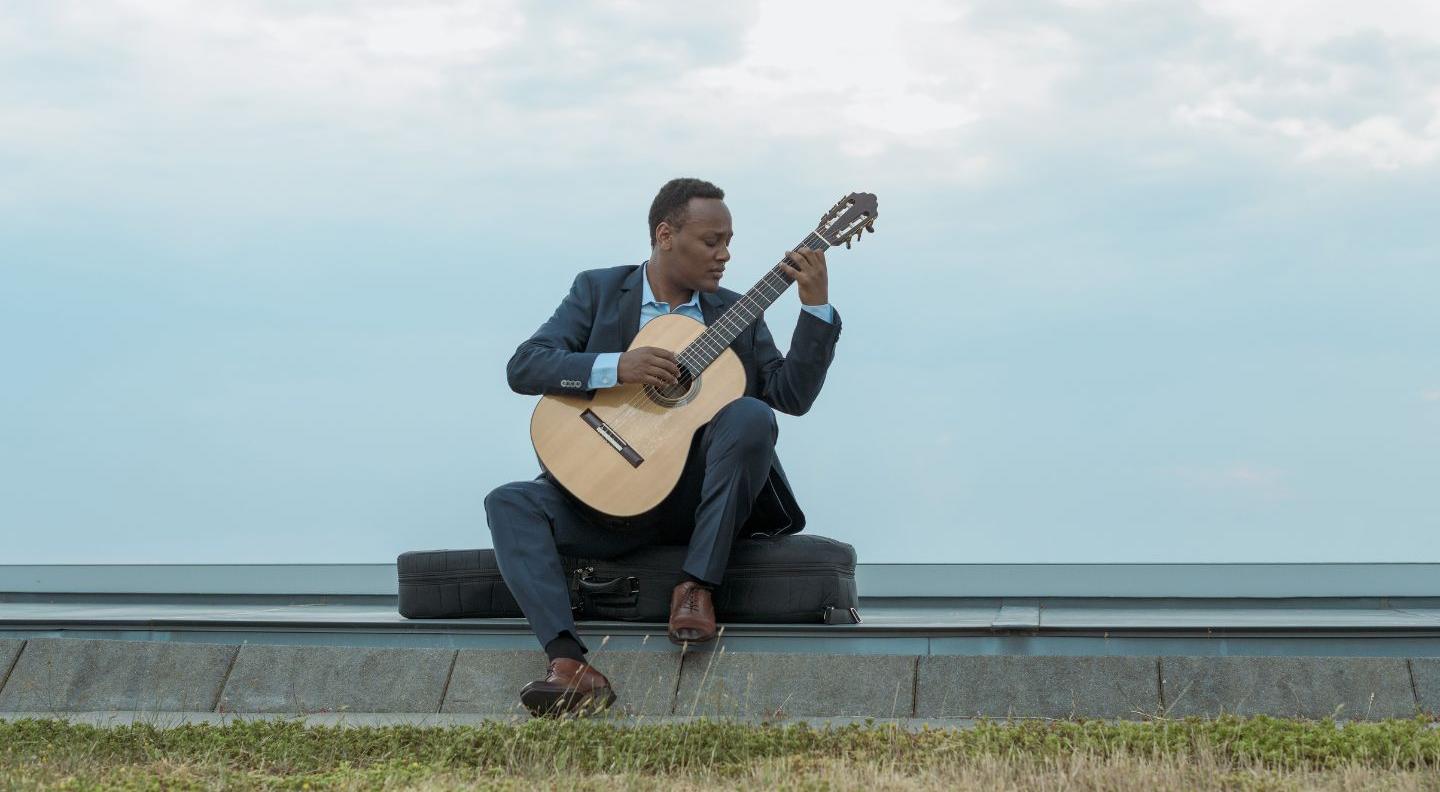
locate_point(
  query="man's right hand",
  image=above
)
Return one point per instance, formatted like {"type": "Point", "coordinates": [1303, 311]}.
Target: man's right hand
{"type": "Point", "coordinates": [648, 366]}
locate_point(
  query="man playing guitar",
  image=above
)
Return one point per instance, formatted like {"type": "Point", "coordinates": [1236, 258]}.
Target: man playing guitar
{"type": "Point", "coordinates": [732, 484]}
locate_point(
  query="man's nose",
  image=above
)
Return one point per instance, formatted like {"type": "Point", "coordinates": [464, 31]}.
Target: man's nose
{"type": "Point", "coordinates": [722, 254]}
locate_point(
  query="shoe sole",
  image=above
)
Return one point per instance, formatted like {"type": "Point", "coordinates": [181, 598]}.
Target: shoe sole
{"type": "Point", "coordinates": [682, 641]}
{"type": "Point", "coordinates": [555, 703]}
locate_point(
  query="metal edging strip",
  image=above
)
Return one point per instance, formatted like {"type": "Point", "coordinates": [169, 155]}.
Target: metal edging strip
{"type": "Point", "coordinates": [1264, 580]}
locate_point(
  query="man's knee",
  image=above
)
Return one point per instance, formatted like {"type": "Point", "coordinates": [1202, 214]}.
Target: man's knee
{"type": "Point", "coordinates": [748, 422]}
{"type": "Point", "coordinates": [508, 505]}
{"type": "Point", "coordinates": [748, 412]}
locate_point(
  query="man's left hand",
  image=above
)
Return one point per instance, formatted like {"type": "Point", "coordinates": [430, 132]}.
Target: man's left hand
{"type": "Point", "coordinates": [807, 268]}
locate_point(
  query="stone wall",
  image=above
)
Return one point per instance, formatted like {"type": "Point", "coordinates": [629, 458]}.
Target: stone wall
{"type": "Point", "coordinates": [57, 675]}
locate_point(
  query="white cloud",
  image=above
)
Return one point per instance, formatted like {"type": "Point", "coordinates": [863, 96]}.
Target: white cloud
{"type": "Point", "coordinates": [1384, 142]}
{"type": "Point", "coordinates": [918, 90]}
{"type": "Point", "coordinates": [1290, 26]}
{"type": "Point", "coordinates": [835, 73]}
{"type": "Point", "coordinates": [917, 71]}
{"type": "Point", "coordinates": [119, 78]}
{"type": "Point", "coordinates": [1327, 82]}
{"type": "Point", "coordinates": [381, 51]}
{"type": "Point", "coordinates": [934, 90]}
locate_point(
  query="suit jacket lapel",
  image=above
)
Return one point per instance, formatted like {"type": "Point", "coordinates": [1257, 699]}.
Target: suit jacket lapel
{"type": "Point", "coordinates": [630, 292]}
{"type": "Point", "coordinates": [712, 307]}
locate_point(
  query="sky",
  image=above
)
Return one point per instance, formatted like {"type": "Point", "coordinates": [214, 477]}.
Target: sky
{"type": "Point", "coordinates": [1152, 281]}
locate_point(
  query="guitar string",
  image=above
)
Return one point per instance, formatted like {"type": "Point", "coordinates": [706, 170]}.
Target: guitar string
{"type": "Point", "coordinates": [642, 398]}
{"type": "Point", "coordinates": [705, 344]}
{"type": "Point", "coordinates": [702, 346]}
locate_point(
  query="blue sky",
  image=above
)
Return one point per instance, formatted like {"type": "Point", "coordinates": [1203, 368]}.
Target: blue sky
{"type": "Point", "coordinates": [1152, 281]}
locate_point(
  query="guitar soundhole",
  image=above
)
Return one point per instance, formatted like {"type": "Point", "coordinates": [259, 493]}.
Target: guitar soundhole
{"type": "Point", "coordinates": [678, 394]}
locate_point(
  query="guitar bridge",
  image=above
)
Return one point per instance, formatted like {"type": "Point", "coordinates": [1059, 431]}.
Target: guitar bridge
{"type": "Point", "coordinates": [610, 436]}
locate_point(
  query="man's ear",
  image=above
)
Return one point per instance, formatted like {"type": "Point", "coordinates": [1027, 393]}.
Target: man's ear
{"type": "Point", "coordinates": [664, 235]}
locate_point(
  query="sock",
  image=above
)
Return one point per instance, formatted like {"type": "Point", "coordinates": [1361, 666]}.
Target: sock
{"type": "Point", "coordinates": [564, 645]}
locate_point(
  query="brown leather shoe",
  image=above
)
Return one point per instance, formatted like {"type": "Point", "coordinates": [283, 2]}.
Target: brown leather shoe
{"type": "Point", "coordinates": [570, 687]}
{"type": "Point", "coordinates": [692, 614]}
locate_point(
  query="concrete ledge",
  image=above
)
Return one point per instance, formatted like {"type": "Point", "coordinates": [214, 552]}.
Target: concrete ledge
{"type": "Point", "coordinates": [1425, 677]}
{"type": "Point", "coordinates": [75, 675]}
{"type": "Point", "coordinates": [9, 653]}
{"type": "Point", "coordinates": [489, 682]}
{"type": "Point", "coordinates": [1425, 674]}
{"type": "Point", "coordinates": [69, 675]}
{"type": "Point", "coordinates": [783, 685]}
{"type": "Point", "coordinates": [1349, 688]}
{"type": "Point", "coordinates": [1036, 687]}
{"type": "Point", "coordinates": [301, 679]}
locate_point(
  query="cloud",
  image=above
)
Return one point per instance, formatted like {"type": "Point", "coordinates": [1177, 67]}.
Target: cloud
{"type": "Point", "coordinates": [227, 49]}
{"type": "Point", "coordinates": [169, 98]}
{"type": "Point", "coordinates": [914, 75]}
{"type": "Point", "coordinates": [1328, 83]}
{"type": "Point", "coordinates": [1383, 142]}
{"type": "Point", "coordinates": [1291, 26]}
{"type": "Point", "coordinates": [1432, 395]}
{"type": "Point", "coordinates": [117, 77]}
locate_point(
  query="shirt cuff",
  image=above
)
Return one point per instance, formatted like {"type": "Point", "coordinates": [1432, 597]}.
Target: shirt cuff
{"type": "Point", "coordinates": [605, 371]}
{"type": "Point", "coordinates": [824, 312]}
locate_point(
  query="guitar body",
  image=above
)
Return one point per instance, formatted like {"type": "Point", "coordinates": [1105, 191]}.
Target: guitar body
{"type": "Point", "coordinates": [623, 451]}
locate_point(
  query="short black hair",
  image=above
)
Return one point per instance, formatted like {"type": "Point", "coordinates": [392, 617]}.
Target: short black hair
{"type": "Point", "coordinates": [670, 203]}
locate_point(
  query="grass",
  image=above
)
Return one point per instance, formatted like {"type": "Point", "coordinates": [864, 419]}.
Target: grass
{"type": "Point", "coordinates": [1229, 753]}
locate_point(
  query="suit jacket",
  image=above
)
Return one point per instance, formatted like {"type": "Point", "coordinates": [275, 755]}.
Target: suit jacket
{"type": "Point", "coordinates": [602, 314]}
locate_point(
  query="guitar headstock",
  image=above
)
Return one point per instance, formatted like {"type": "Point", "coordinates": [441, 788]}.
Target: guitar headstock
{"type": "Point", "coordinates": [848, 219]}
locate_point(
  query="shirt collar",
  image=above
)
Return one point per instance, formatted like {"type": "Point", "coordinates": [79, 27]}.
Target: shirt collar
{"type": "Point", "coordinates": [648, 298]}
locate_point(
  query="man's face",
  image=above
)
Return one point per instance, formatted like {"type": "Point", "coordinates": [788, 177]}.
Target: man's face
{"type": "Point", "coordinates": [699, 250]}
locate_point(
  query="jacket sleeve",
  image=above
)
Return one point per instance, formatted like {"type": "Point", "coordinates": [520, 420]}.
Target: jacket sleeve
{"type": "Point", "coordinates": [551, 360]}
{"type": "Point", "coordinates": [791, 383]}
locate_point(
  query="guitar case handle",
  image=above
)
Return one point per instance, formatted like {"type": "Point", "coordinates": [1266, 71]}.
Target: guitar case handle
{"type": "Point", "coordinates": [615, 598]}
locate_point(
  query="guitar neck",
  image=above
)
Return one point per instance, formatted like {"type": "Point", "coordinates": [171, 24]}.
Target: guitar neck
{"type": "Point", "coordinates": [717, 337]}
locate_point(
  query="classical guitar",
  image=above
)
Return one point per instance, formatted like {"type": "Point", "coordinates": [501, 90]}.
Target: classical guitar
{"type": "Point", "coordinates": [623, 451]}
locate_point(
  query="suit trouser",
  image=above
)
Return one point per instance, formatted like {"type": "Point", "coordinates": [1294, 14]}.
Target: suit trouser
{"type": "Point", "coordinates": [534, 523]}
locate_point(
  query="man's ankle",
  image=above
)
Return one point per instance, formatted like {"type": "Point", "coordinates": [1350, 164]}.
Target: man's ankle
{"type": "Point", "coordinates": [565, 645]}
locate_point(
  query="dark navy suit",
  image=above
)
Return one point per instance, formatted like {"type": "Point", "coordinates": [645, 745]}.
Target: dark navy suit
{"type": "Point", "coordinates": [732, 485]}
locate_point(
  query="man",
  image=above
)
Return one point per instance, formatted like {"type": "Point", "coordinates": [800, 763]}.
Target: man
{"type": "Point", "coordinates": [732, 483]}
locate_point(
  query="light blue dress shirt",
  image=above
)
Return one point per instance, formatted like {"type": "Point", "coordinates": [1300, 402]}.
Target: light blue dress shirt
{"type": "Point", "coordinates": [605, 371]}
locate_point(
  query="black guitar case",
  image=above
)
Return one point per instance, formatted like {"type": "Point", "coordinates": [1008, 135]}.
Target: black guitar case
{"type": "Point", "coordinates": [800, 578]}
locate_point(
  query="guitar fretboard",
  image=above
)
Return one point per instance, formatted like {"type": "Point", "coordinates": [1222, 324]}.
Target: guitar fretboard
{"type": "Point", "coordinates": [717, 337]}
